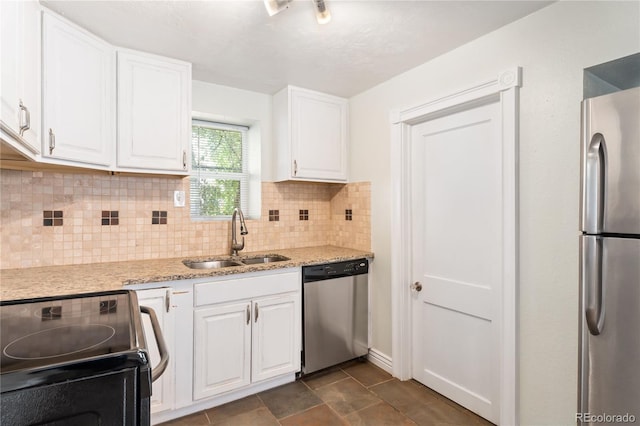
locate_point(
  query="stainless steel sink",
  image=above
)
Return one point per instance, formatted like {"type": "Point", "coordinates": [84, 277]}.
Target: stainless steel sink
{"type": "Point", "coordinates": [211, 264]}
{"type": "Point", "coordinates": [264, 259]}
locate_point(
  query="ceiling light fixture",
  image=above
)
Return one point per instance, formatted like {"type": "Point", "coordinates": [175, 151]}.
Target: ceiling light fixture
{"type": "Point", "coordinates": [276, 6]}
{"type": "Point", "coordinates": [322, 13]}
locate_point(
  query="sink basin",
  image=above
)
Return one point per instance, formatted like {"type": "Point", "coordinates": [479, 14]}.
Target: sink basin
{"type": "Point", "coordinates": [211, 264]}
{"type": "Point", "coordinates": [264, 259]}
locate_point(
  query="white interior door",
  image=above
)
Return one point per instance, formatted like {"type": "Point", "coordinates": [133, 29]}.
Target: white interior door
{"type": "Point", "coordinates": [457, 205]}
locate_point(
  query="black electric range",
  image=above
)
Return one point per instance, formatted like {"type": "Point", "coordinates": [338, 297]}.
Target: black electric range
{"type": "Point", "coordinates": [78, 359]}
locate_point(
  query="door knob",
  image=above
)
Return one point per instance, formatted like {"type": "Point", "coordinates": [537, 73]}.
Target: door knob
{"type": "Point", "coordinates": [416, 286]}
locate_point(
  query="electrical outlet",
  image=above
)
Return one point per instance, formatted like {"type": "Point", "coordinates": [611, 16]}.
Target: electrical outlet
{"type": "Point", "coordinates": [178, 198]}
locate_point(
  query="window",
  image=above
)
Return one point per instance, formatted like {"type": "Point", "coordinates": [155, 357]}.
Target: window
{"type": "Point", "coordinates": [219, 169]}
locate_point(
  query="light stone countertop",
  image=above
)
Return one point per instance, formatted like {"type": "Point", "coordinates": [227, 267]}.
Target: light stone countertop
{"type": "Point", "coordinates": [73, 279]}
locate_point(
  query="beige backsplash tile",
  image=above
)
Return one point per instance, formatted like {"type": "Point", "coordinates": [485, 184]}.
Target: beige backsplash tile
{"type": "Point", "coordinates": [25, 242]}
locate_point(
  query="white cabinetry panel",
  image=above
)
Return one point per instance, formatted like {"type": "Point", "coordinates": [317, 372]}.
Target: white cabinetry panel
{"type": "Point", "coordinates": [310, 135]}
{"type": "Point", "coordinates": [154, 104]}
{"type": "Point", "coordinates": [20, 82]}
{"type": "Point", "coordinates": [78, 94]}
{"type": "Point", "coordinates": [157, 299]}
{"type": "Point", "coordinates": [222, 349]}
{"type": "Point", "coordinates": [275, 328]}
{"type": "Point", "coordinates": [250, 332]}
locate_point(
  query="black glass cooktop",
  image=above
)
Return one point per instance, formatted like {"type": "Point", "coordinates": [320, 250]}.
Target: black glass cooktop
{"type": "Point", "coordinates": [37, 334]}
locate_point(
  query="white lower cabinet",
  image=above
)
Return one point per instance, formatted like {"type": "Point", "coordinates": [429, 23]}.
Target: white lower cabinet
{"type": "Point", "coordinates": [222, 359]}
{"type": "Point", "coordinates": [159, 299]}
{"type": "Point", "coordinates": [241, 343]}
{"type": "Point", "coordinates": [274, 342]}
{"type": "Point", "coordinates": [228, 337]}
{"type": "Point", "coordinates": [246, 341]}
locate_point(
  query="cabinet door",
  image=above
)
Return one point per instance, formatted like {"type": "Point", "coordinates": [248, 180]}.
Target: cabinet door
{"type": "Point", "coordinates": [276, 336]}
{"type": "Point", "coordinates": [222, 348]}
{"type": "Point", "coordinates": [20, 83]}
{"type": "Point", "coordinates": [154, 112]}
{"type": "Point", "coordinates": [318, 136]}
{"type": "Point", "coordinates": [78, 94]}
{"type": "Point", "coordinates": [163, 389]}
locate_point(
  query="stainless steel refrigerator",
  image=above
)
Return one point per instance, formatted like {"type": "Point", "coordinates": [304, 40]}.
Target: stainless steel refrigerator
{"type": "Point", "coordinates": [609, 376]}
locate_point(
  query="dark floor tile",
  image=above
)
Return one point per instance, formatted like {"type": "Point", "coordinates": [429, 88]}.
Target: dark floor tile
{"type": "Point", "coordinates": [367, 373]}
{"type": "Point", "coordinates": [289, 399]}
{"type": "Point", "coordinates": [346, 396]}
{"type": "Point", "coordinates": [258, 417]}
{"type": "Point", "coordinates": [403, 396]}
{"type": "Point", "coordinates": [197, 419]}
{"type": "Point", "coordinates": [234, 408]}
{"type": "Point", "coordinates": [322, 378]}
{"type": "Point", "coordinates": [320, 415]}
{"type": "Point", "coordinates": [381, 414]}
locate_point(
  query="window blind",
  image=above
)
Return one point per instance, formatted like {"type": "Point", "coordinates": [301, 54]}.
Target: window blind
{"type": "Point", "coordinates": [219, 169]}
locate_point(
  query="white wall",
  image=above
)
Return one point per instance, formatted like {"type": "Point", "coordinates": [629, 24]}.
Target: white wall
{"type": "Point", "coordinates": [553, 46]}
{"type": "Point", "coordinates": [237, 106]}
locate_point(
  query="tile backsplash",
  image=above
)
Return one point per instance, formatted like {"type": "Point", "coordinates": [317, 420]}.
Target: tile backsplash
{"type": "Point", "coordinates": [81, 204]}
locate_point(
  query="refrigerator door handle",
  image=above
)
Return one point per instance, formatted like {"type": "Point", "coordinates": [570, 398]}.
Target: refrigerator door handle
{"type": "Point", "coordinates": [594, 185]}
{"type": "Point", "coordinates": [592, 283]}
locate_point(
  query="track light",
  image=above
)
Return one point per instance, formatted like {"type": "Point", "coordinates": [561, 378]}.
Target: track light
{"type": "Point", "coordinates": [322, 13]}
{"type": "Point", "coordinates": [276, 6]}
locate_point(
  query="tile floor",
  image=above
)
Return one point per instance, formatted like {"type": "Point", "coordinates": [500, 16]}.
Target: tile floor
{"type": "Point", "coordinates": [354, 393]}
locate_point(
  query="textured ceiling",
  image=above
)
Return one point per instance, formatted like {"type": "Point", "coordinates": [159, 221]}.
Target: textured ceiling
{"type": "Point", "coordinates": [235, 43]}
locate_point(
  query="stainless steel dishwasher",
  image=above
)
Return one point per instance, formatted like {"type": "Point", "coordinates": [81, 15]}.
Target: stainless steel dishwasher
{"type": "Point", "coordinates": [335, 313]}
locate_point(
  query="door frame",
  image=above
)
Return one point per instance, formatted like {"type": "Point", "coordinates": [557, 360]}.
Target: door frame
{"type": "Point", "coordinates": [505, 90]}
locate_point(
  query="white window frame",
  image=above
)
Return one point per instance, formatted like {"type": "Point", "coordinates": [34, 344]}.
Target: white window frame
{"type": "Point", "coordinates": [243, 177]}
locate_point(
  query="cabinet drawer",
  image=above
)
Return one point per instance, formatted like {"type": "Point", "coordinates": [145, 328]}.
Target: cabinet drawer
{"type": "Point", "coordinates": [237, 287]}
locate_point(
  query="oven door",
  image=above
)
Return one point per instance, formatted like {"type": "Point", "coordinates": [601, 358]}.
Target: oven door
{"type": "Point", "coordinates": [107, 399]}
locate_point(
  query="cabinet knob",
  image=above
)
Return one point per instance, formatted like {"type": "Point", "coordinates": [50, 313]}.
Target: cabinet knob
{"type": "Point", "coordinates": [417, 286]}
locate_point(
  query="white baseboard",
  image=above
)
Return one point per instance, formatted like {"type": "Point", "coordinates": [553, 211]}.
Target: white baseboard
{"type": "Point", "coordinates": [381, 360]}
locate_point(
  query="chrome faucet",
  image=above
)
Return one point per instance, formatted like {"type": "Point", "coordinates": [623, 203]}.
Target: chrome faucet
{"type": "Point", "coordinates": [235, 247]}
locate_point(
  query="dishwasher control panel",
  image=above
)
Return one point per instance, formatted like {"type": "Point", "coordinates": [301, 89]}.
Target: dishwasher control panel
{"type": "Point", "coordinates": [335, 270]}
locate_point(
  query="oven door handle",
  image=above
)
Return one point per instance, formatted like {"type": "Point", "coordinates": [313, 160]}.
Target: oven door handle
{"type": "Point", "coordinates": [157, 371]}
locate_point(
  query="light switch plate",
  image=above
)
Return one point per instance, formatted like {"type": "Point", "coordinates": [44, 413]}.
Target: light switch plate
{"type": "Point", "coordinates": [178, 198]}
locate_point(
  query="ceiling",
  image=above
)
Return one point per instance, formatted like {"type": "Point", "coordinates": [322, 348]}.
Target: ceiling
{"type": "Point", "coordinates": [235, 43]}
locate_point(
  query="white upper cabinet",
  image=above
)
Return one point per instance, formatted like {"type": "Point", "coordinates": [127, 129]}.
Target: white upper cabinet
{"type": "Point", "coordinates": [154, 112]}
{"type": "Point", "coordinates": [20, 82]}
{"type": "Point", "coordinates": [310, 136]}
{"type": "Point", "coordinates": [78, 95]}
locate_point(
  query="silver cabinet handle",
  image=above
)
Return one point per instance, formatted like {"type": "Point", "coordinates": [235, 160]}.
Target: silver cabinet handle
{"type": "Point", "coordinates": [417, 286]}
{"type": "Point", "coordinates": [295, 167]}
{"type": "Point", "coordinates": [167, 300]}
{"type": "Point", "coordinates": [248, 314]}
{"type": "Point", "coordinates": [27, 114]}
{"type": "Point", "coordinates": [184, 159]}
{"type": "Point", "coordinates": [256, 313]}
{"type": "Point", "coordinates": [591, 277]}
{"type": "Point", "coordinates": [52, 141]}
{"type": "Point", "coordinates": [594, 185]}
